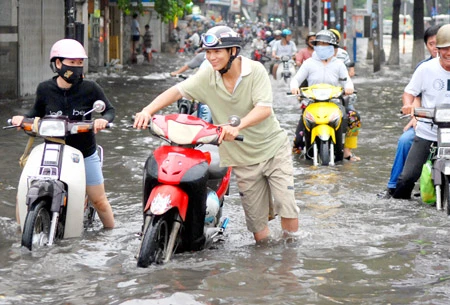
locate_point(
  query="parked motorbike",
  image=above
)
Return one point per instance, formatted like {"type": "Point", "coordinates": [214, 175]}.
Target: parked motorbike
{"type": "Point", "coordinates": [183, 188]}
{"type": "Point", "coordinates": [322, 117]}
{"type": "Point", "coordinates": [440, 116]}
{"type": "Point", "coordinates": [51, 196]}
{"type": "Point", "coordinates": [286, 69]}
{"type": "Point", "coordinates": [193, 107]}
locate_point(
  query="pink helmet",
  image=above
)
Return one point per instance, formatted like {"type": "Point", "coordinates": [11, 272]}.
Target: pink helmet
{"type": "Point", "coordinates": [67, 48]}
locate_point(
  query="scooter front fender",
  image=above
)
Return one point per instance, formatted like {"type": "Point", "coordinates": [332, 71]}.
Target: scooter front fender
{"type": "Point", "coordinates": [72, 173]}
{"type": "Point", "coordinates": [324, 132]}
{"type": "Point", "coordinates": [164, 197]}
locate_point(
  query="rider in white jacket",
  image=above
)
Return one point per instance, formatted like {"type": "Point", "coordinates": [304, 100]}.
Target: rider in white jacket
{"type": "Point", "coordinates": [324, 68]}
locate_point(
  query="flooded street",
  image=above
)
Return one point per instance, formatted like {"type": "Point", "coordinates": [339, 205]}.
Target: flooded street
{"type": "Point", "coordinates": [353, 248]}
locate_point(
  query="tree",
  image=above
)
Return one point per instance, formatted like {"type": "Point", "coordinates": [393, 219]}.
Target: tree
{"type": "Point", "coordinates": [394, 57]}
{"type": "Point", "coordinates": [418, 31]}
{"type": "Point", "coordinates": [167, 10]}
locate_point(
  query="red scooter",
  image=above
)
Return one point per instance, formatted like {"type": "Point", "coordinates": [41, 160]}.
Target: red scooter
{"type": "Point", "coordinates": [183, 187]}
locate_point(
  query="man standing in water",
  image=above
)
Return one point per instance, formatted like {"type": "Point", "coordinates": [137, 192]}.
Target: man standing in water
{"type": "Point", "coordinates": [236, 85]}
{"type": "Point", "coordinates": [430, 80]}
{"type": "Point", "coordinates": [406, 139]}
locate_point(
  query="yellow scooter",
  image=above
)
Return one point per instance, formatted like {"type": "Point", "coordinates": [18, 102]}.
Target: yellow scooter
{"type": "Point", "coordinates": [322, 119]}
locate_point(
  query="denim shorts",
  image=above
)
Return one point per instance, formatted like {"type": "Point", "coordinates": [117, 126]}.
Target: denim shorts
{"type": "Point", "coordinates": [93, 168]}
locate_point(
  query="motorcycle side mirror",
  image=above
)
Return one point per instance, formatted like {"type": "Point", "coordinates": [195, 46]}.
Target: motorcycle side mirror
{"type": "Point", "coordinates": [99, 106]}
{"type": "Point", "coordinates": [234, 120]}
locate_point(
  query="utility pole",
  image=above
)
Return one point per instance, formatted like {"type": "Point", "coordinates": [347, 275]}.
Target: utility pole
{"type": "Point", "coordinates": [69, 9]}
{"type": "Point", "coordinates": [375, 33]}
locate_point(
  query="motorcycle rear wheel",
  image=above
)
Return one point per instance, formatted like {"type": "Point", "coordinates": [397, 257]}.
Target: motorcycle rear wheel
{"type": "Point", "coordinates": [36, 227]}
{"type": "Point", "coordinates": [154, 240]}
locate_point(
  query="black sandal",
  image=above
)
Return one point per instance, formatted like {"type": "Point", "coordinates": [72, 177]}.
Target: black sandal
{"type": "Point", "coordinates": [352, 158]}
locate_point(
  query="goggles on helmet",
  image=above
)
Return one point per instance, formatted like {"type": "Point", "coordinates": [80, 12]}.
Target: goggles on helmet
{"type": "Point", "coordinates": [210, 40]}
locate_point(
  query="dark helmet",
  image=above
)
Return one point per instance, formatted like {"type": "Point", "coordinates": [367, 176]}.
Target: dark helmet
{"type": "Point", "coordinates": [286, 32]}
{"type": "Point", "coordinates": [326, 36]}
{"type": "Point", "coordinates": [221, 37]}
{"type": "Point", "coordinates": [310, 34]}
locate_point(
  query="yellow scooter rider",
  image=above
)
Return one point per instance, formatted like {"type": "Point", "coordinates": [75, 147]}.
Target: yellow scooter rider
{"type": "Point", "coordinates": [324, 68]}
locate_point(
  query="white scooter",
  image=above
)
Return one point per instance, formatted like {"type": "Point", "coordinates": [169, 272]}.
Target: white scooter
{"type": "Point", "coordinates": [286, 69]}
{"type": "Point", "coordinates": [51, 196]}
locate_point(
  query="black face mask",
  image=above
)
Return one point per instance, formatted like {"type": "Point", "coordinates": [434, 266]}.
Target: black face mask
{"type": "Point", "coordinates": [71, 74]}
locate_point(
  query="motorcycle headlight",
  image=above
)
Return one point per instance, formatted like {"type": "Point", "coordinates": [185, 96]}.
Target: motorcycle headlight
{"type": "Point", "coordinates": [335, 119]}
{"type": "Point", "coordinates": [322, 94]}
{"type": "Point", "coordinates": [442, 115]}
{"type": "Point", "coordinates": [310, 120]}
{"type": "Point", "coordinates": [52, 128]}
{"type": "Point", "coordinates": [285, 58]}
{"type": "Point", "coordinates": [444, 136]}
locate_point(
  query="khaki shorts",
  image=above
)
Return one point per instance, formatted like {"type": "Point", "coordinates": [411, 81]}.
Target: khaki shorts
{"type": "Point", "coordinates": [267, 185]}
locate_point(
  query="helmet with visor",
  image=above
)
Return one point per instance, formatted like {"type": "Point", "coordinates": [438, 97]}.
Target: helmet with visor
{"type": "Point", "coordinates": [221, 37]}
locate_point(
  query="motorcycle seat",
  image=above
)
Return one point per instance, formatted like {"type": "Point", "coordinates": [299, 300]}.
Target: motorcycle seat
{"type": "Point", "coordinates": [214, 169]}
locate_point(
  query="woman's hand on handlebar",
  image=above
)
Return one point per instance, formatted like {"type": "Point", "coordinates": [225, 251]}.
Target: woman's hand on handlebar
{"type": "Point", "coordinates": [228, 133]}
{"type": "Point", "coordinates": [100, 124]}
{"type": "Point", "coordinates": [17, 120]}
{"type": "Point", "coordinates": [141, 120]}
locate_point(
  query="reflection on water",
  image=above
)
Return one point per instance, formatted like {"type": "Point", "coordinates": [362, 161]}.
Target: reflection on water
{"type": "Point", "coordinates": [353, 249]}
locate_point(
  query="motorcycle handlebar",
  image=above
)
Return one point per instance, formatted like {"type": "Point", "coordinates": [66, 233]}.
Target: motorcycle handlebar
{"type": "Point", "coordinates": [239, 138]}
{"type": "Point", "coordinates": [9, 122]}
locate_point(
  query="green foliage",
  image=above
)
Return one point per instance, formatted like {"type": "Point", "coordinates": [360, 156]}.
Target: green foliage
{"type": "Point", "coordinates": [169, 9]}
{"type": "Point", "coordinates": [359, 3]}
{"type": "Point", "coordinates": [127, 6]}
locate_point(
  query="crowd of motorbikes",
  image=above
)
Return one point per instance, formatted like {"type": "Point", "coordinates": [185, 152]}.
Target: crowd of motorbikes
{"type": "Point", "coordinates": [184, 187]}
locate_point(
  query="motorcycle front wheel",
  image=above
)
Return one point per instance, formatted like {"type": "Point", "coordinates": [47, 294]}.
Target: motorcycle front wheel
{"type": "Point", "coordinates": [89, 214]}
{"type": "Point", "coordinates": [324, 152]}
{"type": "Point", "coordinates": [155, 239]}
{"type": "Point", "coordinates": [36, 227]}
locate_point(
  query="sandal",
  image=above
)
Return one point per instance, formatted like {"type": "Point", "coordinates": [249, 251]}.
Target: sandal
{"type": "Point", "coordinates": [352, 158]}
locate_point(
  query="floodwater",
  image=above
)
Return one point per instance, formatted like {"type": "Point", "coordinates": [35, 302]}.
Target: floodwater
{"type": "Point", "coordinates": [352, 249]}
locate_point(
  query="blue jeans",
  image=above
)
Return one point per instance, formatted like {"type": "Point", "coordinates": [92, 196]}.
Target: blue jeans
{"type": "Point", "coordinates": [404, 144]}
{"type": "Point", "coordinates": [417, 156]}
